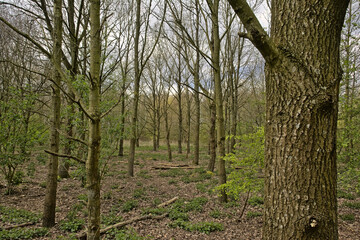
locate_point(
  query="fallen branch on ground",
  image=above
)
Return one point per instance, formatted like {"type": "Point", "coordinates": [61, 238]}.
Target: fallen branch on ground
{"type": "Point", "coordinates": [18, 225]}
{"type": "Point", "coordinates": [82, 235]}
{"type": "Point", "coordinates": [165, 166]}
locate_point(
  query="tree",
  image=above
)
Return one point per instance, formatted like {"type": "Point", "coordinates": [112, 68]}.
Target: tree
{"type": "Point", "coordinates": [92, 162]}
{"type": "Point", "coordinates": [302, 86]}
{"type": "Point", "coordinates": [48, 219]}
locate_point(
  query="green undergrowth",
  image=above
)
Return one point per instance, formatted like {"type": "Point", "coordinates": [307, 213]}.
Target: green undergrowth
{"type": "Point", "coordinates": [73, 222]}
{"type": "Point", "coordinates": [17, 216]}
{"type": "Point", "coordinates": [352, 205]}
{"type": "Point", "coordinates": [180, 218]}
{"type": "Point", "coordinates": [23, 233]}
{"type": "Point", "coordinates": [204, 227]}
{"type": "Point", "coordinates": [348, 217]}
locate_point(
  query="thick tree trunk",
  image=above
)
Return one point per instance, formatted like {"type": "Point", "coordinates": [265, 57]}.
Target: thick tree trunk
{"type": "Point", "coordinates": [92, 162]}
{"type": "Point", "coordinates": [48, 219]}
{"type": "Point", "coordinates": [302, 86]}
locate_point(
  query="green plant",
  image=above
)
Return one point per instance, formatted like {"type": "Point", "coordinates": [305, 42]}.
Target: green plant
{"type": "Point", "coordinates": [251, 214]}
{"type": "Point", "coordinates": [348, 217]}
{"type": "Point", "coordinates": [144, 174]}
{"type": "Point", "coordinates": [17, 216]}
{"type": "Point", "coordinates": [205, 227]}
{"type": "Point", "coordinates": [139, 193]}
{"type": "Point", "coordinates": [172, 181]}
{"type": "Point", "coordinates": [30, 171]}
{"type": "Point", "coordinates": [216, 213]}
{"type": "Point", "coordinates": [353, 205]}
{"type": "Point", "coordinates": [107, 195]}
{"type": "Point", "coordinates": [155, 211]}
{"type": "Point", "coordinates": [346, 195]}
{"type": "Point", "coordinates": [23, 233]}
{"type": "Point", "coordinates": [72, 225]}
{"type": "Point", "coordinates": [256, 201]}
{"type": "Point", "coordinates": [111, 218]}
{"type": "Point", "coordinates": [247, 162]}
{"type": "Point", "coordinates": [129, 205]}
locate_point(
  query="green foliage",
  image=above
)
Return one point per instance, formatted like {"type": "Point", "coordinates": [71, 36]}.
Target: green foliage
{"type": "Point", "coordinates": [346, 195]}
{"type": "Point", "coordinates": [17, 133]}
{"type": "Point", "coordinates": [155, 211]}
{"type": "Point", "coordinates": [144, 174]}
{"type": "Point", "coordinates": [348, 217]}
{"type": "Point", "coordinates": [256, 201]}
{"type": "Point", "coordinates": [17, 216]}
{"type": "Point", "coordinates": [176, 214]}
{"type": "Point", "coordinates": [111, 218]}
{"type": "Point", "coordinates": [247, 162]}
{"type": "Point", "coordinates": [216, 213]}
{"type": "Point", "coordinates": [139, 193]}
{"type": "Point", "coordinates": [72, 225]}
{"type": "Point", "coordinates": [349, 179]}
{"type": "Point", "coordinates": [205, 227]}
{"type": "Point", "coordinates": [251, 214]}
{"type": "Point", "coordinates": [30, 171]}
{"type": "Point", "coordinates": [129, 235]}
{"type": "Point", "coordinates": [22, 233]}
{"type": "Point", "coordinates": [353, 205]}
{"type": "Point", "coordinates": [129, 205]}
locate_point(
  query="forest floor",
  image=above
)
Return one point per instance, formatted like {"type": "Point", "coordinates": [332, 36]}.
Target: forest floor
{"type": "Point", "coordinates": [197, 214]}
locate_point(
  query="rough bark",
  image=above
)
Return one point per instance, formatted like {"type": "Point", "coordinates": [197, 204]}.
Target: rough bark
{"type": "Point", "coordinates": [302, 86]}
{"type": "Point", "coordinates": [48, 218]}
{"type": "Point", "coordinates": [92, 162]}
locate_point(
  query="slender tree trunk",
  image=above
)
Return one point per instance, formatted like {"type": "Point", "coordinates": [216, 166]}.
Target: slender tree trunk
{"type": "Point", "coordinates": [92, 162]}
{"type": "Point", "coordinates": [48, 219]}
{"type": "Point", "coordinates": [167, 127]}
{"type": "Point", "coordinates": [180, 115]}
{"type": "Point", "coordinates": [134, 138]}
{"type": "Point", "coordinates": [188, 123]}
{"type": "Point", "coordinates": [122, 120]}
{"type": "Point", "coordinates": [212, 137]}
{"type": "Point", "coordinates": [220, 125]}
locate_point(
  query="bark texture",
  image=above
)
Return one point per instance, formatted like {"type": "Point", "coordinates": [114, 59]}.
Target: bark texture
{"type": "Point", "coordinates": [48, 219]}
{"type": "Point", "coordinates": [302, 86]}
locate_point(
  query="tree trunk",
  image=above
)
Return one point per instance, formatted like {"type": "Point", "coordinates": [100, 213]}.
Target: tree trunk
{"type": "Point", "coordinates": [220, 126]}
{"type": "Point", "coordinates": [302, 86]}
{"type": "Point", "coordinates": [188, 122]}
{"type": "Point", "coordinates": [134, 140]}
{"type": "Point", "coordinates": [48, 219]}
{"type": "Point", "coordinates": [92, 162]}
{"type": "Point", "coordinates": [212, 137]}
{"type": "Point", "coordinates": [179, 92]}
